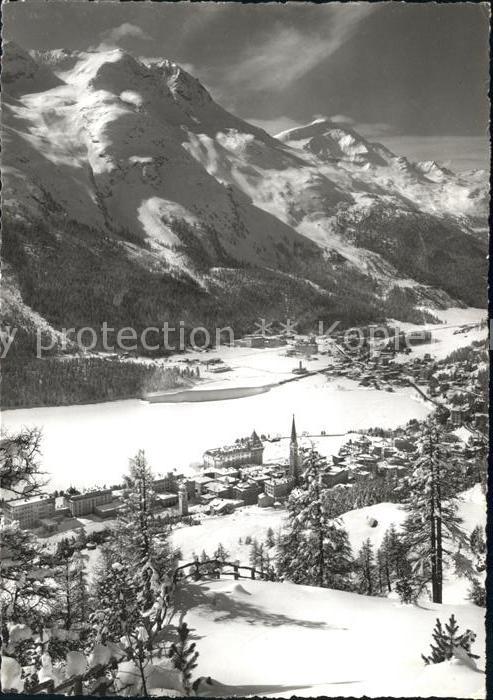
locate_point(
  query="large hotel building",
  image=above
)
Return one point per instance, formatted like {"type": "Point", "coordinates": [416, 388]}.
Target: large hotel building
{"type": "Point", "coordinates": [28, 512]}
{"type": "Point", "coordinates": [245, 451]}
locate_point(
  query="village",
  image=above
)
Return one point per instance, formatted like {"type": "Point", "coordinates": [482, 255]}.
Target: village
{"type": "Point", "coordinates": [238, 475]}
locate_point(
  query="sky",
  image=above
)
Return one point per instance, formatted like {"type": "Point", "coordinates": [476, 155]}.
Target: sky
{"type": "Point", "coordinates": [413, 76]}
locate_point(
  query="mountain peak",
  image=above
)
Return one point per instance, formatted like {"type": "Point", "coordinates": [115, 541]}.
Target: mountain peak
{"type": "Point", "coordinates": [113, 70]}
{"type": "Point", "coordinates": [21, 73]}
{"type": "Point", "coordinates": [56, 59]}
{"type": "Point", "coordinates": [181, 83]}
{"type": "Point", "coordinates": [433, 169]}
{"type": "Point", "coordinates": [332, 142]}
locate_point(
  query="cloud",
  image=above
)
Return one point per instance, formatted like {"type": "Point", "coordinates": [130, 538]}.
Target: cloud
{"type": "Point", "coordinates": [114, 37]}
{"type": "Point", "coordinates": [274, 126]}
{"type": "Point", "coordinates": [374, 130]}
{"type": "Point", "coordinates": [289, 53]}
{"type": "Point", "coordinates": [188, 67]}
{"type": "Point", "coordinates": [342, 119]}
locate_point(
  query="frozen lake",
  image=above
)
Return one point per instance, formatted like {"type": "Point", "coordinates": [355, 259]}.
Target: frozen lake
{"type": "Point", "coordinates": [91, 444]}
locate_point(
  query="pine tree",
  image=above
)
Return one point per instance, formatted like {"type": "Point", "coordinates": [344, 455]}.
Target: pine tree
{"type": "Point", "coordinates": [366, 570]}
{"type": "Point", "coordinates": [142, 541]}
{"type": "Point", "coordinates": [80, 588]}
{"type": "Point", "coordinates": [477, 593]}
{"type": "Point", "coordinates": [26, 595]}
{"type": "Point", "coordinates": [221, 554]}
{"type": "Point", "coordinates": [260, 557]}
{"type": "Point", "coordinates": [382, 573]}
{"type": "Point", "coordinates": [72, 589]}
{"type": "Point", "coordinates": [20, 474]}
{"type": "Point", "coordinates": [432, 518]}
{"type": "Point", "coordinates": [81, 539]}
{"type": "Point", "coordinates": [115, 611]}
{"type": "Point", "coordinates": [269, 540]}
{"type": "Point", "coordinates": [253, 553]}
{"type": "Point", "coordinates": [477, 540]}
{"type": "Point", "coordinates": [447, 640]}
{"type": "Point", "coordinates": [205, 569]}
{"type": "Point", "coordinates": [391, 559]}
{"type": "Point", "coordinates": [406, 590]}
{"type": "Point", "coordinates": [315, 548]}
{"type": "Point", "coordinates": [477, 543]}
{"type": "Point", "coordinates": [184, 656]}
{"type": "Point", "coordinates": [133, 586]}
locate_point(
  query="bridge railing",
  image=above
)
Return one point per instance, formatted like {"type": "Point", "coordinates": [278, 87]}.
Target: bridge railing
{"type": "Point", "coordinates": [215, 568]}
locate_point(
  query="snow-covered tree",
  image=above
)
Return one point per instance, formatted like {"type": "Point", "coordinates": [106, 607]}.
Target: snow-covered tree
{"type": "Point", "coordinates": [477, 593]}
{"type": "Point", "coordinates": [477, 540]}
{"type": "Point", "coordinates": [407, 590]}
{"type": "Point", "coordinates": [447, 641]}
{"type": "Point", "coordinates": [315, 548]}
{"type": "Point", "coordinates": [432, 519]}
{"type": "Point", "coordinates": [184, 656]}
{"type": "Point", "coordinates": [392, 560]}
{"type": "Point", "coordinates": [477, 543]}
{"type": "Point", "coordinates": [27, 594]}
{"type": "Point", "coordinates": [72, 590]}
{"type": "Point", "coordinates": [133, 585]}
{"type": "Point", "coordinates": [112, 589]}
{"type": "Point", "coordinates": [260, 557]}
{"type": "Point", "coordinates": [366, 570]}
{"type": "Point", "coordinates": [20, 474]}
{"type": "Point", "coordinates": [254, 548]}
{"type": "Point", "coordinates": [221, 554]}
{"type": "Point", "coordinates": [143, 539]}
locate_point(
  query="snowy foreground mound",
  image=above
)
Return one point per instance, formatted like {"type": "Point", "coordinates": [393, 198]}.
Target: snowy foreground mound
{"type": "Point", "coordinates": [280, 639]}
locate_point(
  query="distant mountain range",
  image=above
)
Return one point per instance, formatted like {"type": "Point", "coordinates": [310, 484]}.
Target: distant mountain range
{"type": "Point", "coordinates": [130, 196]}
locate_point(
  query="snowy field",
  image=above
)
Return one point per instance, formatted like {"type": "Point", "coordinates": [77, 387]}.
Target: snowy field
{"type": "Point", "coordinates": [228, 529]}
{"type": "Point", "coordinates": [280, 640]}
{"type": "Point", "coordinates": [446, 339]}
{"type": "Point", "coordinates": [471, 508]}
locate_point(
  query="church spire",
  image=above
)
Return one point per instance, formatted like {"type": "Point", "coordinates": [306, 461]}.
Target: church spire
{"type": "Point", "coordinates": [294, 437]}
{"type": "Point", "coordinates": [255, 438]}
{"type": "Point", "coordinates": [294, 457]}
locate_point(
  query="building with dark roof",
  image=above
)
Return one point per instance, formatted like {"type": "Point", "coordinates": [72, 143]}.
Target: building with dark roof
{"type": "Point", "coordinates": [244, 451]}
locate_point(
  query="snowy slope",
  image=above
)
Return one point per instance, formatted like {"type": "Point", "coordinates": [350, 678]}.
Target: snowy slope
{"type": "Point", "coordinates": [428, 185]}
{"type": "Point", "coordinates": [254, 522]}
{"type": "Point", "coordinates": [471, 508]}
{"type": "Point", "coordinates": [249, 521]}
{"type": "Point", "coordinates": [99, 144]}
{"type": "Point", "coordinates": [279, 639]}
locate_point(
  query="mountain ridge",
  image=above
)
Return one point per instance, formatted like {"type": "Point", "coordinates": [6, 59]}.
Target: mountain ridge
{"type": "Point", "coordinates": [115, 159]}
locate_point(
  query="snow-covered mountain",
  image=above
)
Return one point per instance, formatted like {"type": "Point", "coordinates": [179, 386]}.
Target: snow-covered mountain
{"type": "Point", "coordinates": [124, 178]}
